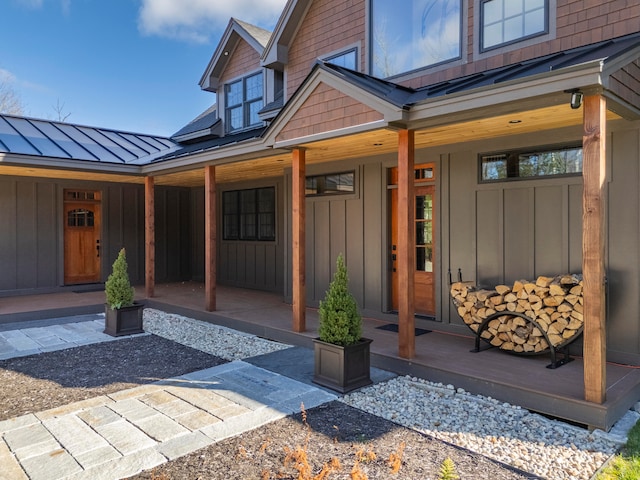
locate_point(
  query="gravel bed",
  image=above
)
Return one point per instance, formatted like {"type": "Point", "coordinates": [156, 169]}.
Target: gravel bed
{"type": "Point", "coordinates": [506, 433]}
{"type": "Point", "coordinates": [549, 448]}
{"type": "Point", "coordinates": [214, 339]}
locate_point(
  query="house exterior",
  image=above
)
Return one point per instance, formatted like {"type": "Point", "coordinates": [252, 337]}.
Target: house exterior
{"type": "Point", "coordinates": [422, 138]}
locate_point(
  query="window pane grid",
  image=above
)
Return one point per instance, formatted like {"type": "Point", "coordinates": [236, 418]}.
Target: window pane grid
{"type": "Point", "coordinates": [330, 184]}
{"type": "Point", "coordinates": [243, 101]}
{"type": "Point", "coordinates": [249, 214]}
{"type": "Point", "coordinates": [505, 21]}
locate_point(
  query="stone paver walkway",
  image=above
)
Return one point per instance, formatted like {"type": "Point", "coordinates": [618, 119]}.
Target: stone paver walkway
{"type": "Point", "coordinates": [121, 434]}
{"type": "Point", "coordinates": [47, 336]}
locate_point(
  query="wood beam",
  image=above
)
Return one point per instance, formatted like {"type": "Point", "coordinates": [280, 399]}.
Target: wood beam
{"type": "Point", "coordinates": [298, 242]}
{"type": "Point", "coordinates": [210, 232]}
{"type": "Point", "coordinates": [149, 237]}
{"type": "Point", "coordinates": [406, 248]}
{"type": "Point", "coordinates": [593, 246]}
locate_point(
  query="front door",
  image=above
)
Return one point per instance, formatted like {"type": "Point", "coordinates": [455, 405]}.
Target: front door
{"type": "Point", "coordinates": [424, 250]}
{"type": "Point", "coordinates": [81, 237]}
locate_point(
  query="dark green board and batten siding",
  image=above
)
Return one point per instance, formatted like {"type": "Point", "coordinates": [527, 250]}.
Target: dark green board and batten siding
{"type": "Point", "coordinates": [31, 244]}
{"type": "Point", "coordinates": [352, 224]}
{"type": "Point", "coordinates": [255, 265]}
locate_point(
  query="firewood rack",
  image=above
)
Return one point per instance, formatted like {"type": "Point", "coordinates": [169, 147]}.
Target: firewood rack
{"type": "Point", "coordinates": [554, 351]}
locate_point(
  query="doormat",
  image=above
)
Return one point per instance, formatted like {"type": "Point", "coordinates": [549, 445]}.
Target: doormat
{"type": "Point", "coordinates": [393, 327]}
{"type": "Point", "coordinates": [90, 288]}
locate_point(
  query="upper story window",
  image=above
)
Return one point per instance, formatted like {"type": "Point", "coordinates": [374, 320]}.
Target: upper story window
{"type": "Point", "coordinates": [348, 59]}
{"type": "Point", "coordinates": [508, 21]}
{"type": "Point", "coordinates": [414, 34]}
{"type": "Point", "coordinates": [521, 164]}
{"type": "Point", "coordinates": [243, 101]}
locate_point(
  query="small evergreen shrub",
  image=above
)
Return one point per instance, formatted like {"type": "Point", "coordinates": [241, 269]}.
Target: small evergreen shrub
{"type": "Point", "coordinates": [340, 322]}
{"type": "Point", "coordinates": [118, 289]}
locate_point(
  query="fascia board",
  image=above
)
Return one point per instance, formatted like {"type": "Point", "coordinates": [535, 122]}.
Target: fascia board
{"type": "Point", "coordinates": [343, 132]}
{"type": "Point", "coordinates": [277, 50]}
{"type": "Point", "coordinates": [29, 161]}
{"type": "Point", "coordinates": [587, 77]}
{"type": "Point", "coordinates": [219, 156]}
{"type": "Point", "coordinates": [227, 43]}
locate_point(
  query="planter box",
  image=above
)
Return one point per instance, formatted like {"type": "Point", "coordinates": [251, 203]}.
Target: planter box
{"type": "Point", "coordinates": [123, 321]}
{"type": "Point", "coordinates": [342, 368]}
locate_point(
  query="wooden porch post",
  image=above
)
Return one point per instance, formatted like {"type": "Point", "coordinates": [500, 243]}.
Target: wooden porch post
{"type": "Point", "coordinates": [406, 255]}
{"type": "Point", "coordinates": [149, 237]}
{"type": "Point", "coordinates": [210, 232]}
{"type": "Point", "coordinates": [299, 240]}
{"type": "Point", "coordinates": [593, 246]}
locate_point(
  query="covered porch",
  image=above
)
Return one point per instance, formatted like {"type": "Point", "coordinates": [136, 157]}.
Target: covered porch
{"type": "Point", "coordinates": [440, 356]}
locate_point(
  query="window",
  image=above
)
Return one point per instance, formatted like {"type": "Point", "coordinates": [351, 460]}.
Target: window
{"type": "Point", "coordinates": [80, 218]}
{"type": "Point", "coordinates": [508, 21]}
{"type": "Point", "coordinates": [413, 34]}
{"type": "Point", "coordinates": [330, 184]}
{"type": "Point", "coordinates": [348, 59]}
{"type": "Point", "coordinates": [249, 214]}
{"type": "Point", "coordinates": [243, 101]}
{"type": "Point", "coordinates": [530, 164]}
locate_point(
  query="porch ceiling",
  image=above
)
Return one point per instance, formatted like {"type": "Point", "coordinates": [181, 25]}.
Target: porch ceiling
{"type": "Point", "coordinates": [375, 142]}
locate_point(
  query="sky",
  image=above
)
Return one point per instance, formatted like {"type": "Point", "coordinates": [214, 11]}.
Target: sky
{"type": "Point", "coordinates": [129, 65]}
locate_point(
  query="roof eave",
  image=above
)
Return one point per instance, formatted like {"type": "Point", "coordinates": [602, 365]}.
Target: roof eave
{"type": "Point", "coordinates": [513, 95]}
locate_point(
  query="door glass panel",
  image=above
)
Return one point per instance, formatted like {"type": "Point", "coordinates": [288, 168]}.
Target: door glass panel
{"type": "Point", "coordinates": [424, 233]}
{"type": "Point", "coordinates": [80, 218]}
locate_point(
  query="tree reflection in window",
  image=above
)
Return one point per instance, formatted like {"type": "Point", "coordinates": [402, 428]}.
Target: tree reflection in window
{"type": "Point", "coordinates": [80, 217]}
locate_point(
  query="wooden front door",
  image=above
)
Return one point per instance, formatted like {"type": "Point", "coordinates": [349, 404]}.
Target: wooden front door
{"type": "Point", "coordinates": [81, 237]}
{"type": "Point", "coordinates": [424, 250]}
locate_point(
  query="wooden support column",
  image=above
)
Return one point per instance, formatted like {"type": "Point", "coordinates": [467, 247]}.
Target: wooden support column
{"type": "Point", "coordinates": [298, 243]}
{"type": "Point", "coordinates": [149, 237]}
{"type": "Point", "coordinates": [210, 232]}
{"type": "Point", "coordinates": [593, 246]}
{"type": "Point", "coordinates": [406, 245]}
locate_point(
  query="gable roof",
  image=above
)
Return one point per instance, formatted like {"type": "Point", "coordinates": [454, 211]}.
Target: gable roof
{"type": "Point", "coordinates": [30, 138]}
{"type": "Point", "coordinates": [276, 51]}
{"type": "Point", "coordinates": [236, 30]}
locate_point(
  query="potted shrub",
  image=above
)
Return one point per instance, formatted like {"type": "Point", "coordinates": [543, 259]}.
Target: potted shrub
{"type": "Point", "coordinates": [341, 354]}
{"type": "Point", "coordinates": [122, 315]}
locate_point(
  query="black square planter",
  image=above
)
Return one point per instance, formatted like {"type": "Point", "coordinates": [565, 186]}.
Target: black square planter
{"type": "Point", "coordinates": [123, 321]}
{"type": "Point", "coordinates": [342, 368]}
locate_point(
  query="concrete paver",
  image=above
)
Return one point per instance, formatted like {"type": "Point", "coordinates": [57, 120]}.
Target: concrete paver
{"type": "Point", "coordinates": [118, 435]}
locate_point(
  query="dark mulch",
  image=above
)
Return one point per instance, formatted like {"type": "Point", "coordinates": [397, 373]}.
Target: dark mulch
{"type": "Point", "coordinates": [48, 380]}
{"type": "Point", "coordinates": [334, 430]}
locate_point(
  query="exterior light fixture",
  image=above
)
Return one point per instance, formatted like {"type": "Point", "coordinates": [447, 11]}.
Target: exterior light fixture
{"type": "Point", "coordinates": [576, 99]}
{"type": "Point", "coordinates": [514, 122]}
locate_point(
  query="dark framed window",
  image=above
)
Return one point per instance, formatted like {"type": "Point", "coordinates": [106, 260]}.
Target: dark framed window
{"type": "Point", "coordinates": [531, 163]}
{"type": "Point", "coordinates": [249, 214]}
{"type": "Point", "coordinates": [348, 59]}
{"type": "Point", "coordinates": [330, 184]}
{"type": "Point", "coordinates": [413, 34]}
{"type": "Point", "coordinates": [507, 21]}
{"type": "Point", "coordinates": [243, 101]}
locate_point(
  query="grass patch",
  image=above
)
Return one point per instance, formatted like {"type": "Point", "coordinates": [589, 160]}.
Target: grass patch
{"type": "Point", "coordinates": [626, 464]}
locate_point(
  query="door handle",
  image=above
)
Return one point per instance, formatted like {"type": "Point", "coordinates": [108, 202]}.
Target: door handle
{"type": "Point", "coordinates": [98, 248]}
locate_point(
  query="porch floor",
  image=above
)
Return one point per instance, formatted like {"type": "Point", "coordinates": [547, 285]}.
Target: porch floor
{"type": "Point", "coordinates": [440, 356]}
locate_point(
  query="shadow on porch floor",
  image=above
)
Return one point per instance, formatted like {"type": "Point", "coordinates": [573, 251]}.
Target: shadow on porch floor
{"type": "Point", "coordinates": [440, 356]}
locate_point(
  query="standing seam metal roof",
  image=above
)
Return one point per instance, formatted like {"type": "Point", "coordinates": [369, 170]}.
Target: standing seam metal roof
{"type": "Point", "coordinates": [45, 138]}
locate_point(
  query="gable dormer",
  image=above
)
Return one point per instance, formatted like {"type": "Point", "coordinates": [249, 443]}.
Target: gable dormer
{"type": "Point", "coordinates": [236, 75]}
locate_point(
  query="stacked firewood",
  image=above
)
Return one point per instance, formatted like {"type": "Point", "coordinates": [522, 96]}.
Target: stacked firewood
{"type": "Point", "coordinates": [554, 303]}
